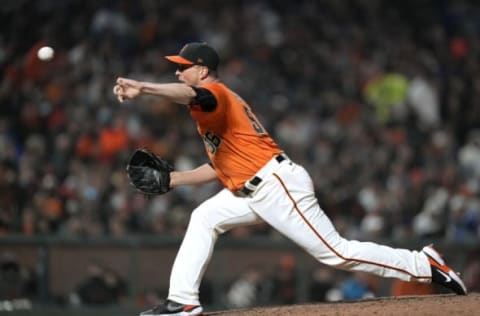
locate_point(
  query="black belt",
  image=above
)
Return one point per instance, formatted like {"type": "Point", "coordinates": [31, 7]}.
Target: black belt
{"type": "Point", "coordinates": [256, 180]}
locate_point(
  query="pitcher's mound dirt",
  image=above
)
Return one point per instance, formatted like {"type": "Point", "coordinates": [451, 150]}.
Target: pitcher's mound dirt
{"type": "Point", "coordinates": [435, 305]}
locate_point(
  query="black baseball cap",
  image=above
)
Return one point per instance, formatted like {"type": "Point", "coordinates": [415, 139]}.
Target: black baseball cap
{"type": "Point", "coordinates": [196, 54]}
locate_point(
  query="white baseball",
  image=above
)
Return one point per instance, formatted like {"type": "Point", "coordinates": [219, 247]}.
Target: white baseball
{"type": "Point", "coordinates": [45, 53]}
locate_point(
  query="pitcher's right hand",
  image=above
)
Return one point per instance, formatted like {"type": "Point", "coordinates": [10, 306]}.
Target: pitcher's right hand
{"type": "Point", "coordinates": [127, 89]}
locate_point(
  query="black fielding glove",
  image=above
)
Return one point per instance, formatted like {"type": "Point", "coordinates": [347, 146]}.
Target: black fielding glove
{"type": "Point", "coordinates": [149, 173]}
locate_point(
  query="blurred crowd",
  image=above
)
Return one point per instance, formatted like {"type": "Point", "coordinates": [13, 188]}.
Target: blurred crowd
{"type": "Point", "coordinates": [377, 99]}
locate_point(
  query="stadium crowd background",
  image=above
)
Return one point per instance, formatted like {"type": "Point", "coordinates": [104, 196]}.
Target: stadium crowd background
{"type": "Point", "coordinates": [379, 100]}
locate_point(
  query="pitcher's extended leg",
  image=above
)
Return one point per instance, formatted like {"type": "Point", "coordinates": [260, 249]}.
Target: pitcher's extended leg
{"type": "Point", "coordinates": [291, 207]}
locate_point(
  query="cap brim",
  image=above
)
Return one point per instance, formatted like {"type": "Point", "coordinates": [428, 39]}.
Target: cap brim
{"type": "Point", "coordinates": [179, 60]}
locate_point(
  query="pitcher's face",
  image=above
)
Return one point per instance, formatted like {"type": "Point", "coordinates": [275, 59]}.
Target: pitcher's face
{"type": "Point", "coordinates": [191, 74]}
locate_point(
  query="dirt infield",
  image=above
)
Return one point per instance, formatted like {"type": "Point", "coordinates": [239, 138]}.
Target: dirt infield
{"type": "Point", "coordinates": [435, 305]}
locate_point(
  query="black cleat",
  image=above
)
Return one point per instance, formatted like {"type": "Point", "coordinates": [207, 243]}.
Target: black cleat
{"type": "Point", "coordinates": [171, 308]}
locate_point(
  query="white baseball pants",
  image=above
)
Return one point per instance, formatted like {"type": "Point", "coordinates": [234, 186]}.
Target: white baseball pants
{"type": "Point", "coordinates": [285, 199]}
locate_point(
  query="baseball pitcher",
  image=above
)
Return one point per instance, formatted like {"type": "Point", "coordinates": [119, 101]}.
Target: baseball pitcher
{"type": "Point", "coordinates": [261, 183]}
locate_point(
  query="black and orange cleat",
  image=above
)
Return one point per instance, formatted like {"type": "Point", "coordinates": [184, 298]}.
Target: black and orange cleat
{"type": "Point", "coordinates": [443, 274]}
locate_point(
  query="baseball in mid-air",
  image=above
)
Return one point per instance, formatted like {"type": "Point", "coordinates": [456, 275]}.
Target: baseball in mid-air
{"type": "Point", "coordinates": [45, 53]}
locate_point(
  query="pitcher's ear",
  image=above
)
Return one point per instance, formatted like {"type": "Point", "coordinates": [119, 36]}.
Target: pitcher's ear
{"type": "Point", "coordinates": [204, 72]}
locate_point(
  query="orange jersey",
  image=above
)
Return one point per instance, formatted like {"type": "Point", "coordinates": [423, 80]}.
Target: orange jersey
{"type": "Point", "coordinates": [236, 143]}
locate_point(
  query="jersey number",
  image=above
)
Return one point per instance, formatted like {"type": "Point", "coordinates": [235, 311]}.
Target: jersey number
{"type": "Point", "coordinates": [212, 141]}
{"type": "Point", "coordinates": [255, 123]}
